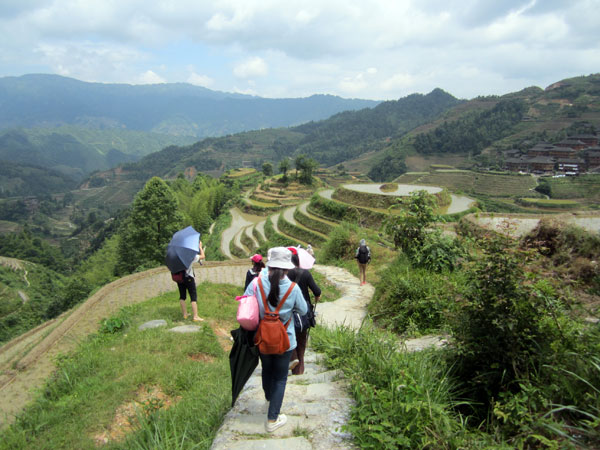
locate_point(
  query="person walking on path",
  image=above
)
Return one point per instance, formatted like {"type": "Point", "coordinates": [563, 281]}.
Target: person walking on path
{"type": "Point", "coordinates": [257, 266]}
{"type": "Point", "coordinates": [275, 286]}
{"type": "Point", "coordinates": [189, 285]}
{"type": "Point", "coordinates": [363, 257]}
{"type": "Point", "coordinates": [305, 281]}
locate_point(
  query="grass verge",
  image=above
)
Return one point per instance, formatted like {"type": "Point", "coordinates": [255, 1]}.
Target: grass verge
{"type": "Point", "coordinates": [126, 388]}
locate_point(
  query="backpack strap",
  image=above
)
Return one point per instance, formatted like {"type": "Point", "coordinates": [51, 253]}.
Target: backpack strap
{"type": "Point", "coordinates": [283, 299]}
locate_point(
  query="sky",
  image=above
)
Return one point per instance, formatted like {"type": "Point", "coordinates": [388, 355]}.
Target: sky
{"type": "Point", "coordinates": [370, 49]}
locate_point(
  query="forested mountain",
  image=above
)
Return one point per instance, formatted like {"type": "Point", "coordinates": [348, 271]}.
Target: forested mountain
{"type": "Point", "coordinates": [173, 108]}
{"type": "Point", "coordinates": [488, 125]}
{"type": "Point", "coordinates": [26, 179]}
{"type": "Point", "coordinates": [331, 141]}
{"type": "Point", "coordinates": [77, 151]}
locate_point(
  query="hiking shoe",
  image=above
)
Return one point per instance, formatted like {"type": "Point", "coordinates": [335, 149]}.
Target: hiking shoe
{"type": "Point", "coordinates": [272, 426]}
{"type": "Point", "coordinates": [293, 364]}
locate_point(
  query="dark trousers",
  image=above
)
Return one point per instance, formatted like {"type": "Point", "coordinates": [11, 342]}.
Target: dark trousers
{"type": "Point", "coordinates": [274, 378]}
{"type": "Point", "coordinates": [298, 352]}
{"type": "Point", "coordinates": [189, 285]}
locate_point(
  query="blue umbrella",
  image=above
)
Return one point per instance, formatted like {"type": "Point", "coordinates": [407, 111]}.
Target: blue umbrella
{"type": "Point", "coordinates": [182, 249]}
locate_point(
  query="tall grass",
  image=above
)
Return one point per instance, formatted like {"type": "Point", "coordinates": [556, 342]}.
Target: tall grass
{"type": "Point", "coordinates": [403, 400]}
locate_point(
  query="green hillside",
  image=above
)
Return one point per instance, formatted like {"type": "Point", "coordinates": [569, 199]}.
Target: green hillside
{"type": "Point", "coordinates": [78, 151]}
{"type": "Point", "coordinates": [329, 142]}
{"type": "Point", "coordinates": [481, 128]}
{"type": "Point", "coordinates": [170, 108]}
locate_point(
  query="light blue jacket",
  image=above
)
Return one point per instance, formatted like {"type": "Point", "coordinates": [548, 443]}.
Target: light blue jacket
{"type": "Point", "coordinates": [294, 302]}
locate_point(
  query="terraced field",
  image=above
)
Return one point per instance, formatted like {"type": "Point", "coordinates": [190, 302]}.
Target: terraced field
{"type": "Point", "coordinates": [304, 223]}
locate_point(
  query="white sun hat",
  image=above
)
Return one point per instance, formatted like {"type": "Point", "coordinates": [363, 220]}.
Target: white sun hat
{"type": "Point", "coordinates": [281, 258]}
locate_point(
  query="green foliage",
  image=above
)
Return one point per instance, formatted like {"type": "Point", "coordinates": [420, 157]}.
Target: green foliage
{"type": "Point", "coordinates": [117, 323]}
{"type": "Point", "coordinates": [111, 368]}
{"type": "Point", "coordinates": [75, 291]}
{"type": "Point", "coordinates": [408, 228]}
{"type": "Point", "coordinates": [403, 400]}
{"type": "Point", "coordinates": [388, 168]}
{"type": "Point", "coordinates": [438, 252]}
{"type": "Point", "coordinates": [284, 166]}
{"type": "Point", "coordinates": [25, 246]}
{"type": "Point", "coordinates": [153, 221]}
{"type": "Point", "coordinates": [500, 329]}
{"type": "Point", "coordinates": [341, 244]}
{"type": "Point", "coordinates": [306, 166]}
{"type": "Point", "coordinates": [27, 293]}
{"type": "Point", "coordinates": [267, 169]}
{"type": "Point", "coordinates": [411, 300]}
{"type": "Point", "coordinates": [349, 134]}
{"type": "Point", "coordinates": [202, 201]}
{"type": "Point", "coordinates": [472, 132]}
{"type": "Point", "coordinates": [25, 179]}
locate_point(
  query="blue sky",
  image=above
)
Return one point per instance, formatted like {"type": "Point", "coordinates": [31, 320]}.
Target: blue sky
{"type": "Point", "coordinates": [376, 49]}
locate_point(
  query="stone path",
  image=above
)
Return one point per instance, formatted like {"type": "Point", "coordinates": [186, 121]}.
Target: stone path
{"type": "Point", "coordinates": [317, 403]}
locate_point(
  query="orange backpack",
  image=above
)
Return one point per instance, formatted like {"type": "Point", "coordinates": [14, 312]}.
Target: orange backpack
{"type": "Point", "coordinates": [271, 337]}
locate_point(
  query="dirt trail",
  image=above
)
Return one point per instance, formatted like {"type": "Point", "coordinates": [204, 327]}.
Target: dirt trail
{"type": "Point", "coordinates": [26, 362]}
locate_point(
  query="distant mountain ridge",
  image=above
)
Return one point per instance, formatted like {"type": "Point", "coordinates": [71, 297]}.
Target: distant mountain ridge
{"type": "Point", "coordinates": [331, 141]}
{"type": "Point", "coordinates": [40, 100]}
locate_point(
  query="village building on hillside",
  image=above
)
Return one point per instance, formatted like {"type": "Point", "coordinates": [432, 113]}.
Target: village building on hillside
{"type": "Point", "coordinates": [571, 156]}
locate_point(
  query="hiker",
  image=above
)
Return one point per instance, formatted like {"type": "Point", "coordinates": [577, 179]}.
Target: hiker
{"type": "Point", "coordinates": [275, 367]}
{"type": "Point", "coordinates": [305, 281]}
{"type": "Point", "coordinates": [310, 250]}
{"type": "Point", "coordinates": [363, 257]}
{"type": "Point", "coordinates": [189, 284]}
{"type": "Point", "coordinates": [257, 266]}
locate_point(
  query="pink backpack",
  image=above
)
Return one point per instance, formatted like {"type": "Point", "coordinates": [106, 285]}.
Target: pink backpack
{"type": "Point", "coordinates": [247, 313]}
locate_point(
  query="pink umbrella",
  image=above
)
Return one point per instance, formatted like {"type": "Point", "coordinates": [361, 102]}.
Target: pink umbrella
{"type": "Point", "coordinates": [305, 258]}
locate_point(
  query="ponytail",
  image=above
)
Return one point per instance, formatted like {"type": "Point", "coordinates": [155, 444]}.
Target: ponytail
{"type": "Point", "coordinates": [275, 275]}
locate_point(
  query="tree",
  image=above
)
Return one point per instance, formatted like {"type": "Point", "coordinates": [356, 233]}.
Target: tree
{"type": "Point", "coordinates": [284, 166]}
{"type": "Point", "coordinates": [146, 233]}
{"type": "Point", "coordinates": [267, 169]}
{"type": "Point", "coordinates": [306, 166]}
{"type": "Point", "coordinates": [409, 228]}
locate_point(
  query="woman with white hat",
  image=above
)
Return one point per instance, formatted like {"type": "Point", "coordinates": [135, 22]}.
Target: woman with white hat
{"type": "Point", "coordinates": [275, 367]}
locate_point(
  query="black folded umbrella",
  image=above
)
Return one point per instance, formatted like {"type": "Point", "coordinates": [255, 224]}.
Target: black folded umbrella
{"type": "Point", "coordinates": [243, 359]}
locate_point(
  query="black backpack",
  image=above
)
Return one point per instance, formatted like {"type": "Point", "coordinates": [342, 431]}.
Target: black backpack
{"type": "Point", "coordinates": [363, 254]}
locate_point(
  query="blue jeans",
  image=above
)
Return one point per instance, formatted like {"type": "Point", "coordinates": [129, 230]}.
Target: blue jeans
{"type": "Point", "coordinates": [274, 378]}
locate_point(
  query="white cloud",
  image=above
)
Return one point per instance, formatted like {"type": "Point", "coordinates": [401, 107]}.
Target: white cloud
{"type": "Point", "coordinates": [373, 48]}
{"type": "Point", "coordinates": [398, 82]}
{"type": "Point", "coordinates": [200, 80]}
{"type": "Point", "coordinates": [251, 68]}
{"type": "Point", "coordinates": [150, 77]}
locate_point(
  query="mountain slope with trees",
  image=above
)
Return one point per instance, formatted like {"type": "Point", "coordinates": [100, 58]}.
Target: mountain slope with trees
{"type": "Point", "coordinates": [172, 108]}
{"type": "Point", "coordinates": [486, 126]}
{"type": "Point", "coordinates": [329, 142]}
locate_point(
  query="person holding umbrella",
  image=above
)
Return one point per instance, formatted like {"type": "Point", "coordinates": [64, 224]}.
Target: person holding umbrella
{"type": "Point", "coordinates": [183, 251]}
{"type": "Point", "coordinates": [189, 285]}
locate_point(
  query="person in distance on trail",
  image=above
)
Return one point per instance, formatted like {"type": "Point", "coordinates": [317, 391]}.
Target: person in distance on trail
{"type": "Point", "coordinates": [257, 266]}
{"type": "Point", "coordinates": [275, 366]}
{"type": "Point", "coordinates": [189, 285]}
{"type": "Point", "coordinates": [310, 250]}
{"type": "Point", "coordinates": [363, 257]}
{"type": "Point", "coordinates": [305, 281]}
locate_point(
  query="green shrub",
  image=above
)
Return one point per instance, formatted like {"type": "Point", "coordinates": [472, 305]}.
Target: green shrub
{"type": "Point", "coordinates": [342, 243]}
{"type": "Point", "coordinates": [403, 400]}
{"type": "Point", "coordinates": [438, 253]}
{"type": "Point", "coordinates": [501, 329]}
{"type": "Point", "coordinates": [412, 300]}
